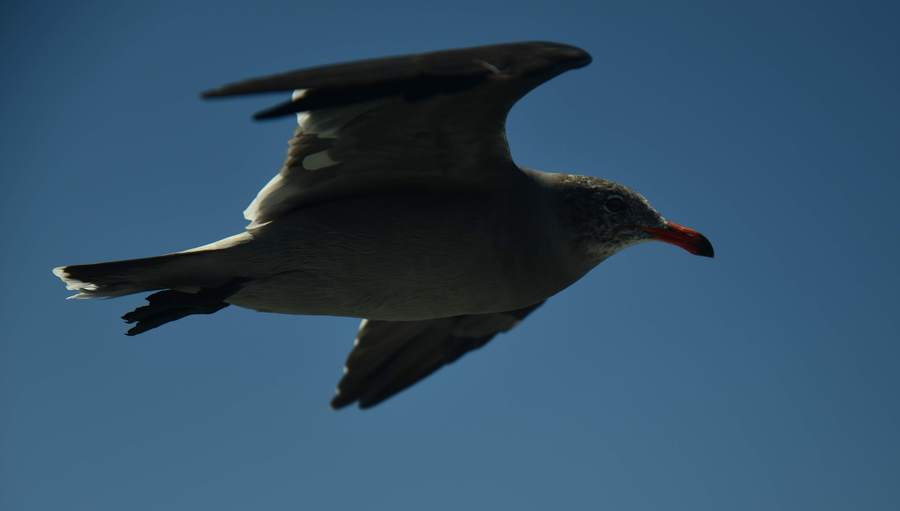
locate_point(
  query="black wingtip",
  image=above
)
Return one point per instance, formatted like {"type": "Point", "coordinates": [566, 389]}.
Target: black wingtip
{"type": "Point", "coordinates": [339, 402]}
{"type": "Point", "coordinates": [279, 110]}
{"type": "Point", "coordinates": [209, 94]}
{"type": "Point", "coordinates": [237, 89]}
{"type": "Point", "coordinates": [579, 58]}
{"type": "Point", "coordinates": [232, 89]}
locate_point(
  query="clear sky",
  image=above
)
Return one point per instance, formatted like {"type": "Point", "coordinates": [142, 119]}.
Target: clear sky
{"type": "Point", "coordinates": [763, 379]}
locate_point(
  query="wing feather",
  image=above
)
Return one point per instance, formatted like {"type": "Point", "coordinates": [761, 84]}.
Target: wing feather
{"type": "Point", "coordinates": [431, 120]}
{"type": "Point", "coordinates": [390, 356]}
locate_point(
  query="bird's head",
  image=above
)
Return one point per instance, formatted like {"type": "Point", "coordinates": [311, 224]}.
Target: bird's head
{"type": "Point", "coordinates": [611, 217]}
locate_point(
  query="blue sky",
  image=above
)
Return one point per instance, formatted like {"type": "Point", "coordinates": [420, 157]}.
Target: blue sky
{"type": "Point", "coordinates": [763, 379]}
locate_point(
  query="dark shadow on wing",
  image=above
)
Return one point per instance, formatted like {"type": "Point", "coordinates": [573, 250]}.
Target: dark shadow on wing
{"type": "Point", "coordinates": [522, 66]}
{"type": "Point", "coordinates": [390, 356]}
{"type": "Point", "coordinates": [428, 121]}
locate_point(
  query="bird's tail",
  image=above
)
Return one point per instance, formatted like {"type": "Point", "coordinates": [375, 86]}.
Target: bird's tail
{"type": "Point", "coordinates": [194, 282]}
{"type": "Point", "coordinates": [187, 271]}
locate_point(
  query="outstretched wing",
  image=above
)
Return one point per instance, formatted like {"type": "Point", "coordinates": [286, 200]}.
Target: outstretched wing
{"type": "Point", "coordinates": [389, 356]}
{"type": "Point", "coordinates": [415, 121]}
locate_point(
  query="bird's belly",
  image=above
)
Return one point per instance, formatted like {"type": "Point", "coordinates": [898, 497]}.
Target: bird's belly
{"type": "Point", "coordinates": [399, 258]}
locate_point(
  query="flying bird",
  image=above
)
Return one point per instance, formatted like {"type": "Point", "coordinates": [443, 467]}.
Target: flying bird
{"type": "Point", "coordinates": [399, 202]}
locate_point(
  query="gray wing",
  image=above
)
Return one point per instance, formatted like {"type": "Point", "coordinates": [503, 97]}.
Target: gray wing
{"type": "Point", "coordinates": [390, 356]}
{"type": "Point", "coordinates": [428, 120]}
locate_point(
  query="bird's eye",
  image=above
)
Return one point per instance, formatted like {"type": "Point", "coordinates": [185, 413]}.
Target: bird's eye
{"type": "Point", "coordinates": [615, 204]}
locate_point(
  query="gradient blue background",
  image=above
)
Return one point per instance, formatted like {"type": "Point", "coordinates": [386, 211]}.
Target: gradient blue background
{"type": "Point", "coordinates": [763, 379]}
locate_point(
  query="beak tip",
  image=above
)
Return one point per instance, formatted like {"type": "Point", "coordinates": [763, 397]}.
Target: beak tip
{"type": "Point", "coordinates": [705, 249]}
{"type": "Point", "coordinates": [684, 237]}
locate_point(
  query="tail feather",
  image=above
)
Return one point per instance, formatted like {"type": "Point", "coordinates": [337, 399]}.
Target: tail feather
{"type": "Point", "coordinates": [196, 281]}
{"type": "Point", "coordinates": [193, 282]}
{"type": "Point", "coordinates": [187, 271]}
{"type": "Point", "coordinates": [72, 284]}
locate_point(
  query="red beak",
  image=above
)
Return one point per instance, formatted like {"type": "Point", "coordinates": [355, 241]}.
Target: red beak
{"type": "Point", "coordinates": [684, 237]}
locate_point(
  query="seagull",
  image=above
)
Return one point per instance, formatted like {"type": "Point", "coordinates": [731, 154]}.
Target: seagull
{"type": "Point", "coordinates": [399, 202]}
